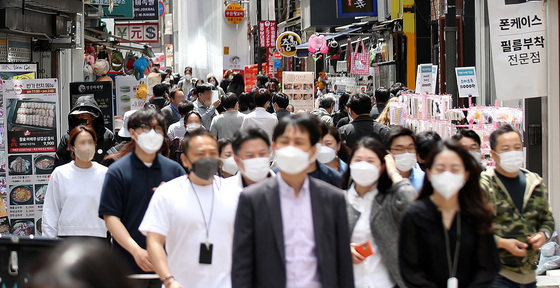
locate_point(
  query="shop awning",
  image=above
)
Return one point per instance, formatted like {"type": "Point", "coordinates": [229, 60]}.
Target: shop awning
{"type": "Point", "coordinates": [332, 36]}
{"type": "Point", "coordinates": [101, 38]}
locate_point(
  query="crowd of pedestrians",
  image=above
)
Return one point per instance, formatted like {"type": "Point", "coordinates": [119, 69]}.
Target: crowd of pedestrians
{"type": "Point", "coordinates": [237, 191]}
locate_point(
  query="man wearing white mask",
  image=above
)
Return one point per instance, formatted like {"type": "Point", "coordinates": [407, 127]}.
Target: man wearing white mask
{"type": "Point", "coordinates": [470, 140]}
{"type": "Point", "coordinates": [251, 149]}
{"type": "Point", "coordinates": [523, 219]}
{"type": "Point", "coordinates": [298, 224]}
{"type": "Point", "coordinates": [401, 144]}
{"type": "Point", "coordinates": [128, 188]}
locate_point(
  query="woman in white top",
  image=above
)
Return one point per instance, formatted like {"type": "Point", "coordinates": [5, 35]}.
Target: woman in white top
{"type": "Point", "coordinates": [377, 196]}
{"type": "Point", "coordinates": [72, 198]}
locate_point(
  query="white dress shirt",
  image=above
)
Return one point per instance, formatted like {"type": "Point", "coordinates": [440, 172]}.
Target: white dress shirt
{"type": "Point", "coordinates": [299, 236]}
{"type": "Point", "coordinates": [177, 129]}
{"type": "Point", "coordinates": [262, 119]}
{"type": "Point", "coordinates": [371, 272]}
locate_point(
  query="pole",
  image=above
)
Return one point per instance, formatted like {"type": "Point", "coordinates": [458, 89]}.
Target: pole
{"type": "Point", "coordinates": [259, 50]}
{"type": "Point", "coordinates": [451, 51]}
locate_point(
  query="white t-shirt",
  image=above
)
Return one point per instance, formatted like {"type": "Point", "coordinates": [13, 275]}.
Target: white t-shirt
{"type": "Point", "coordinates": [72, 202]}
{"type": "Point", "coordinates": [174, 212]}
{"type": "Point", "coordinates": [371, 272]}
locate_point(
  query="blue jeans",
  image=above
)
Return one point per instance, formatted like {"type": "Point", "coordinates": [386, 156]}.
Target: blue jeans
{"type": "Point", "coordinates": [502, 282]}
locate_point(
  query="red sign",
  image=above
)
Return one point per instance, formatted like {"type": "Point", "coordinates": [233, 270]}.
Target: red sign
{"type": "Point", "coordinates": [277, 55]}
{"type": "Point", "coordinates": [235, 13]}
{"type": "Point", "coordinates": [267, 34]}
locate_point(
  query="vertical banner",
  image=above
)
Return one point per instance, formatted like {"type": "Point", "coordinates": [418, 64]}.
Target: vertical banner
{"type": "Point", "coordinates": [32, 113]}
{"type": "Point", "coordinates": [102, 92]}
{"type": "Point", "coordinates": [267, 34]}
{"type": "Point", "coordinates": [250, 77]}
{"type": "Point", "coordinates": [299, 86]}
{"type": "Point", "coordinates": [518, 41]}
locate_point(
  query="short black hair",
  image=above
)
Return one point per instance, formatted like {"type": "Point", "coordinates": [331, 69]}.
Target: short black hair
{"type": "Point", "coordinates": [262, 79]}
{"type": "Point", "coordinates": [467, 133]}
{"type": "Point", "coordinates": [397, 87]}
{"type": "Point", "coordinates": [274, 80]}
{"type": "Point", "coordinates": [201, 88]}
{"type": "Point", "coordinates": [159, 90]}
{"type": "Point", "coordinates": [222, 143]}
{"type": "Point", "coordinates": [246, 101]}
{"type": "Point", "coordinates": [198, 132]}
{"type": "Point", "coordinates": [396, 132]}
{"type": "Point", "coordinates": [281, 99]}
{"type": "Point", "coordinates": [326, 101]}
{"type": "Point", "coordinates": [175, 91]}
{"type": "Point", "coordinates": [185, 107]}
{"type": "Point", "coordinates": [229, 100]}
{"type": "Point", "coordinates": [360, 103]}
{"type": "Point", "coordinates": [243, 135]}
{"type": "Point", "coordinates": [302, 121]}
{"type": "Point", "coordinates": [343, 101]}
{"type": "Point", "coordinates": [145, 116]}
{"type": "Point", "coordinates": [425, 142]}
{"type": "Point", "coordinates": [382, 95]}
{"type": "Point", "coordinates": [499, 132]}
{"type": "Point", "coordinates": [261, 97]}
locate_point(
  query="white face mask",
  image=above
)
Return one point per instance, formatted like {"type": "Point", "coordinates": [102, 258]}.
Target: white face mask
{"type": "Point", "coordinates": [193, 126]}
{"type": "Point", "coordinates": [150, 142]}
{"type": "Point", "coordinates": [292, 160]}
{"type": "Point", "coordinates": [511, 161]}
{"type": "Point", "coordinates": [229, 166]}
{"type": "Point", "coordinates": [447, 184]}
{"type": "Point", "coordinates": [476, 155]}
{"type": "Point", "coordinates": [405, 162]}
{"type": "Point", "coordinates": [213, 83]}
{"type": "Point", "coordinates": [256, 169]}
{"type": "Point", "coordinates": [188, 77]}
{"type": "Point", "coordinates": [326, 154]}
{"type": "Point", "coordinates": [84, 152]}
{"type": "Point", "coordinates": [364, 173]}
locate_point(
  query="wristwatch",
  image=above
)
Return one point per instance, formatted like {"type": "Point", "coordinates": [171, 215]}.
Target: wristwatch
{"type": "Point", "coordinates": [546, 235]}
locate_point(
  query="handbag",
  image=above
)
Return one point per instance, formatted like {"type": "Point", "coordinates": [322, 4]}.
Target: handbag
{"type": "Point", "coordinates": [360, 61]}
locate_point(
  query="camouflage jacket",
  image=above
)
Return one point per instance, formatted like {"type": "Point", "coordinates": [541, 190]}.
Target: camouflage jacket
{"type": "Point", "coordinates": [509, 222]}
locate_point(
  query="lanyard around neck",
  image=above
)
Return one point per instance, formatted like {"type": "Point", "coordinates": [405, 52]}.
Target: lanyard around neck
{"type": "Point", "coordinates": [453, 267]}
{"type": "Point", "coordinates": [209, 222]}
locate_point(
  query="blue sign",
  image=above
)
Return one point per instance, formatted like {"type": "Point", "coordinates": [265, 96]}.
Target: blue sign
{"type": "Point", "coordinates": [161, 8]}
{"type": "Point", "coordinates": [277, 63]}
{"type": "Point", "coordinates": [356, 8]}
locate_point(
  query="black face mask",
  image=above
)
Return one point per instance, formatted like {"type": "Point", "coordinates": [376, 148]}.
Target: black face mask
{"type": "Point", "coordinates": [206, 168]}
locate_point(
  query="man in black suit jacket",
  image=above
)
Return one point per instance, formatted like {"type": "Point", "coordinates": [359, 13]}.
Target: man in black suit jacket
{"type": "Point", "coordinates": [292, 230]}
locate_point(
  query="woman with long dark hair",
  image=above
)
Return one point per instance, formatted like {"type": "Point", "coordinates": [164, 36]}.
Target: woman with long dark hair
{"type": "Point", "coordinates": [377, 196]}
{"type": "Point", "coordinates": [333, 152]}
{"type": "Point", "coordinates": [446, 235]}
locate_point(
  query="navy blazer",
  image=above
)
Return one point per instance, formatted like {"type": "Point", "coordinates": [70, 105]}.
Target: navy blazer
{"type": "Point", "coordinates": [258, 242]}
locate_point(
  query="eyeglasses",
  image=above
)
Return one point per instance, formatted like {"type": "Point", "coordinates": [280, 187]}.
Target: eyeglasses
{"type": "Point", "coordinates": [400, 150]}
{"type": "Point", "coordinates": [147, 128]}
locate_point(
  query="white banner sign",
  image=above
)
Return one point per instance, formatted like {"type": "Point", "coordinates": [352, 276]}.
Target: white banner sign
{"type": "Point", "coordinates": [518, 37]}
{"type": "Point", "coordinates": [466, 82]}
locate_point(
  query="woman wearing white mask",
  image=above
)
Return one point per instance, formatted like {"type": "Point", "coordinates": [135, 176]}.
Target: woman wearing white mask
{"type": "Point", "coordinates": [228, 167]}
{"type": "Point", "coordinates": [446, 236]}
{"type": "Point", "coordinates": [333, 152]}
{"type": "Point", "coordinates": [69, 211]}
{"type": "Point", "coordinates": [401, 143]}
{"type": "Point", "coordinates": [193, 121]}
{"type": "Point", "coordinates": [377, 196]}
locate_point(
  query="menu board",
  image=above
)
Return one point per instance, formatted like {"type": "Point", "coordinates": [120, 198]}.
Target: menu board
{"type": "Point", "coordinates": [299, 88]}
{"type": "Point", "coordinates": [32, 114]}
{"type": "Point", "coordinates": [102, 92]}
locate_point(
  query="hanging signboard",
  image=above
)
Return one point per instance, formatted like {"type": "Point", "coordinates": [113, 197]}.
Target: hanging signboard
{"type": "Point", "coordinates": [234, 13]}
{"type": "Point", "coordinates": [287, 43]}
{"type": "Point", "coordinates": [519, 56]}
{"type": "Point", "coordinates": [267, 34]}
{"type": "Point", "coordinates": [235, 62]}
{"type": "Point", "coordinates": [138, 32]}
{"type": "Point", "coordinates": [146, 10]}
{"type": "Point", "coordinates": [122, 9]}
{"type": "Point", "coordinates": [466, 82]}
{"type": "Point", "coordinates": [356, 8]}
{"type": "Point", "coordinates": [32, 134]}
{"type": "Point", "coordinates": [102, 92]}
{"type": "Point", "coordinates": [299, 86]}
{"type": "Point", "coordinates": [250, 77]}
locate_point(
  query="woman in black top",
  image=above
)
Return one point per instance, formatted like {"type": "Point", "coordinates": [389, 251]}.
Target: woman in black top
{"type": "Point", "coordinates": [446, 236]}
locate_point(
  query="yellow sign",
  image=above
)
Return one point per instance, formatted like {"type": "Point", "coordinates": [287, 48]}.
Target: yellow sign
{"type": "Point", "coordinates": [234, 13]}
{"type": "Point", "coordinates": [226, 50]}
{"type": "Point", "coordinates": [287, 43]}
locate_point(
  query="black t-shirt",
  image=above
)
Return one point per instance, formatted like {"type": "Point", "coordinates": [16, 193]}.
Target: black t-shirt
{"type": "Point", "coordinates": [515, 187]}
{"type": "Point", "coordinates": [127, 191]}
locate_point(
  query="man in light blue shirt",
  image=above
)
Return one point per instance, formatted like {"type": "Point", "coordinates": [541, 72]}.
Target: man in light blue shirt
{"type": "Point", "coordinates": [203, 104]}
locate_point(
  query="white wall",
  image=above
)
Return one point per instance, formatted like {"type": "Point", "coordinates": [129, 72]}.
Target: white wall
{"type": "Point", "coordinates": [202, 33]}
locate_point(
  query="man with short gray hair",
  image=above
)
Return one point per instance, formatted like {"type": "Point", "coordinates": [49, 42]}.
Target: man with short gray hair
{"type": "Point", "coordinates": [326, 106]}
